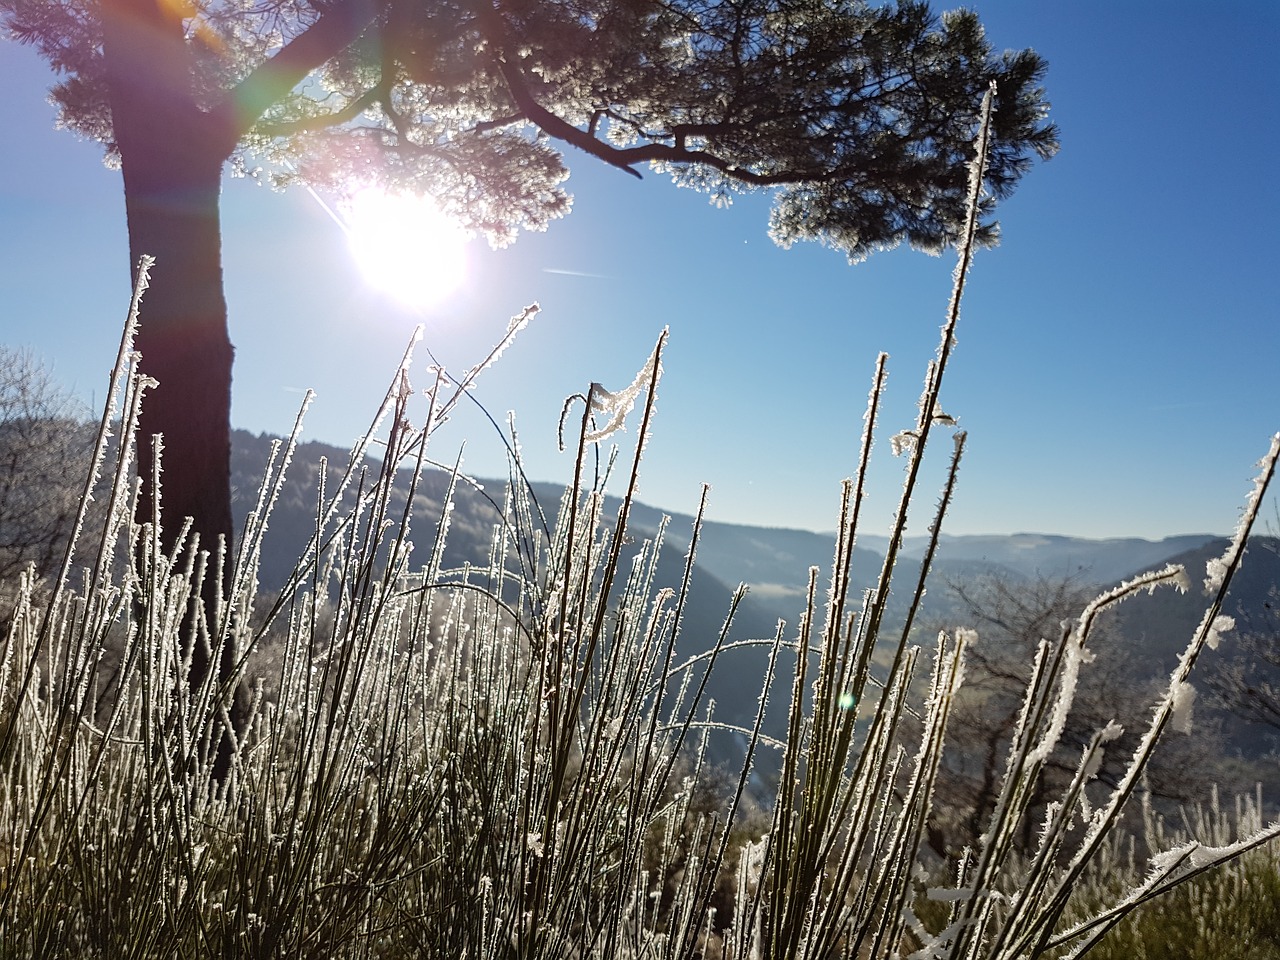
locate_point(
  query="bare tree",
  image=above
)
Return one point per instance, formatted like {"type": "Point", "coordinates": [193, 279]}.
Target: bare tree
{"type": "Point", "coordinates": [44, 449]}
{"type": "Point", "coordinates": [1011, 617]}
{"type": "Point", "coordinates": [1248, 684]}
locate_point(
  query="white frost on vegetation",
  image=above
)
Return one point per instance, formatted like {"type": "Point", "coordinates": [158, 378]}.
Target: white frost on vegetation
{"type": "Point", "coordinates": [1217, 568]}
{"type": "Point", "coordinates": [902, 442]}
{"type": "Point", "coordinates": [939, 947]}
{"type": "Point", "coordinates": [1093, 758]}
{"type": "Point", "coordinates": [1182, 704]}
{"type": "Point", "coordinates": [617, 405]}
{"type": "Point", "coordinates": [964, 637]}
{"type": "Point", "coordinates": [1184, 698]}
{"type": "Point", "coordinates": [514, 326]}
{"type": "Point", "coordinates": [533, 840]}
{"type": "Point", "coordinates": [1221, 624]}
{"type": "Point", "coordinates": [1215, 572]}
{"type": "Point", "coordinates": [1194, 856]}
{"type": "Point", "coordinates": [753, 855]}
{"type": "Point", "coordinates": [1077, 653]}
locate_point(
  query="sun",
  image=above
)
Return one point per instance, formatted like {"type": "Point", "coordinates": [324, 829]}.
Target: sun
{"type": "Point", "coordinates": [404, 245]}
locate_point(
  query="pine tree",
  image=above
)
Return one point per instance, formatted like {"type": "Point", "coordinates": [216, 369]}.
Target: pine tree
{"type": "Point", "coordinates": [860, 118]}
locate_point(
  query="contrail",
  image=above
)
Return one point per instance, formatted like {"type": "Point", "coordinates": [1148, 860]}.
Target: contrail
{"type": "Point", "coordinates": [576, 273]}
{"type": "Point", "coordinates": [337, 218]}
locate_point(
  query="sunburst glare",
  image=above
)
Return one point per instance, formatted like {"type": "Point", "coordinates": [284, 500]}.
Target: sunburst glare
{"type": "Point", "coordinates": [404, 245]}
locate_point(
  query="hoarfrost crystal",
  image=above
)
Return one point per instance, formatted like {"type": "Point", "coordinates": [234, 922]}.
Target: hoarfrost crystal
{"type": "Point", "coordinates": [1184, 698]}
{"type": "Point", "coordinates": [903, 442]}
{"type": "Point", "coordinates": [1221, 624]}
{"type": "Point", "coordinates": [618, 405]}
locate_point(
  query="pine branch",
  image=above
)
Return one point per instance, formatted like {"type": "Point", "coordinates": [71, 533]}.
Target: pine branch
{"type": "Point", "coordinates": [289, 128]}
{"type": "Point", "coordinates": [337, 27]}
{"type": "Point", "coordinates": [626, 158]}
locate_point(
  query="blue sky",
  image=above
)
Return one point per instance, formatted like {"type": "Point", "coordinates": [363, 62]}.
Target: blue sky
{"type": "Point", "coordinates": [1117, 356]}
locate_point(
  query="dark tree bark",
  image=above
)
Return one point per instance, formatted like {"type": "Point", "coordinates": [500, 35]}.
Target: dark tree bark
{"type": "Point", "coordinates": [172, 153]}
{"type": "Point", "coordinates": [184, 344]}
{"type": "Point", "coordinates": [171, 156]}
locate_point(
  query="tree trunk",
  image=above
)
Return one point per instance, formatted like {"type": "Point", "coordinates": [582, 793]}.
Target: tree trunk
{"type": "Point", "coordinates": [172, 150]}
{"type": "Point", "coordinates": [185, 346]}
{"type": "Point", "coordinates": [172, 154]}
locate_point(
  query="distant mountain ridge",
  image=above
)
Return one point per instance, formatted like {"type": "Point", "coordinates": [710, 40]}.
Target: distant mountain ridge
{"type": "Point", "coordinates": [1099, 561]}
{"type": "Point", "coordinates": [775, 563]}
{"type": "Point", "coordinates": [773, 560]}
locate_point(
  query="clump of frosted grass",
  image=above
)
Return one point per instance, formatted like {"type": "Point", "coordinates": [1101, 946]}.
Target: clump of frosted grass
{"type": "Point", "coordinates": [1225, 903]}
{"type": "Point", "coordinates": [510, 758]}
